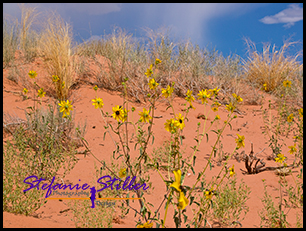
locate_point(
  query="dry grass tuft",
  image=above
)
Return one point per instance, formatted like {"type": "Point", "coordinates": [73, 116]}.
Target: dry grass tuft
{"type": "Point", "coordinates": [55, 48]}
{"type": "Point", "coordinates": [28, 37]}
{"type": "Point", "coordinates": [270, 67]}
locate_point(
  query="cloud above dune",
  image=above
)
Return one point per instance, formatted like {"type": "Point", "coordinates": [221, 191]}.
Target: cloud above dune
{"type": "Point", "coordinates": [289, 16]}
{"type": "Point", "coordinates": [192, 19]}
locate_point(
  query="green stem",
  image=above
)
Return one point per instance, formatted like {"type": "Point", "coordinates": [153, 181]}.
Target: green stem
{"type": "Point", "coordinates": [167, 206]}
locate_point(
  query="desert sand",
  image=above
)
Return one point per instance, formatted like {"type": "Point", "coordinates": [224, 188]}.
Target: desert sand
{"type": "Point", "coordinates": [249, 122]}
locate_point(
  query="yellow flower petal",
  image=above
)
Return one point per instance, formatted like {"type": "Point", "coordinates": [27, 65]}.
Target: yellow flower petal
{"type": "Point", "coordinates": [177, 183]}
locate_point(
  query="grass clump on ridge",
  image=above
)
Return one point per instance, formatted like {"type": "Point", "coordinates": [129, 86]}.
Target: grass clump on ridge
{"type": "Point", "coordinates": [270, 68]}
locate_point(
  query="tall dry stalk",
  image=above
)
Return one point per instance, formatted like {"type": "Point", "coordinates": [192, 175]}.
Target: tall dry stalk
{"type": "Point", "coordinates": [55, 47]}
{"type": "Point", "coordinates": [28, 17]}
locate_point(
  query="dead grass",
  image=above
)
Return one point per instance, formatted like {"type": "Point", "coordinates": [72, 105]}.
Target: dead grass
{"type": "Point", "coordinates": [55, 48]}
{"type": "Point", "coordinates": [270, 67]}
{"type": "Point", "coordinates": [28, 37]}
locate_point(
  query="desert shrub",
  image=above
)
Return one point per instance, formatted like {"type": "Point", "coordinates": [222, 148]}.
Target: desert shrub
{"type": "Point", "coordinates": [230, 202]}
{"type": "Point", "coordinates": [40, 146]}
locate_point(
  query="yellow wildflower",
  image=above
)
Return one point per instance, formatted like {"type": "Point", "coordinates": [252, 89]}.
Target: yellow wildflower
{"type": "Point", "coordinates": [232, 171]}
{"type": "Point", "coordinates": [214, 109]}
{"type": "Point", "coordinates": [25, 91]}
{"type": "Point", "coordinates": [41, 93]}
{"type": "Point", "coordinates": [301, 112]}
{"type": "Point", "coordinates": [217, 104]}
{"type": "Point", "coordinates": [240, 141]}
{"type": "Point", "coordinates": [177, 183]}
{"type": "Point", "coordinates": [32, 74]}
{"type": "Point", "coordinates": [217, 117]}
{"type": "Point", "coordinates": [153, 84]}
{"type": "Point", "coordinates": [290, 118]}
{"type": "Point", "coordinates": [145, 225]}
{"type": "Point", "coordinates": [125, 114]}
{"type": "Point", "coordinates": [66, 107]}
{"type": "Point", "coordinates": [171, 125]}
{"type": "Point", "coordinates": [287, 83]}
{"type": "Point", "coordinates": [180, 121]}
{"type": "Point", "coordinates": [183, 201]}
{"type": "Point", "coordinates": [97, 102]}
{"type": "Point", "coordinates": [238, 98]}
{"type": "Point", "coordinates": [149, 71]}
{"type": "Point", "coordinates": [55, 78]}
{"type": "Point", "coordinates": [280, 158]}
{"type": "Point", "coordinates": [144, 116]}
{"type": "Point", "coordinates": [118, 113]}
{"type": "Point", "coordinates": [203, 95]}
{"type": "Point", "coordinates": [189, 96]}
{"type": "Point", "coordinates": [209, 194]}
{"type": "Point", "coordinates": [214, 91]}
{"type": "Point", "coordinates": [191, 106]}
{"type": "Point", "coordinates": [230, 107]}
{"type": "Point", "coordinates": [122, 173]}
{"type": "Point", "coordinates": [95, 87]}
{"type": "Point", "coordinates": [167, 92]}
{"type": "Point", "coordinates": [157, 61]}
{"type": "Point", "coordinates": [265, 87]}
{"type": "Point", "coordinates": [292, 148]}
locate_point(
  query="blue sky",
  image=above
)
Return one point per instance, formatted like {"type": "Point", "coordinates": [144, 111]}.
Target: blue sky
{"type": "Point", "coordinates": [219, 25]}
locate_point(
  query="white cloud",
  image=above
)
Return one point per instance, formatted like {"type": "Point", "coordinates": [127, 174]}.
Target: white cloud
{"type": "Point", "coordinates": [192, 19]}
{"type": "Point", "coordinates": [289, 16]}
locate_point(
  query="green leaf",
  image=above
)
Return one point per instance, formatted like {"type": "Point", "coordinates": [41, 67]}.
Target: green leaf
{"type": "Point", "coordinates": [191, 200]}
{"type": "Point", "coordinates": [185, 218]}
{"type": "Point", "coordinates": [194, 158]}
{"type": "Point", "coordinates": [230, 126]}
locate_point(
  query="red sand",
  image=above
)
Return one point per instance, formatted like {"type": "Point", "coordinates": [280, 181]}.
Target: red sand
{"type": "Point", "coordinates": [248, 124]}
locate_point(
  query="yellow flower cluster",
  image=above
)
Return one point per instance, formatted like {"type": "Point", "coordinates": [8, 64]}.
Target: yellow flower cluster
{"type": "Point", "coordinates": [173, 125]}
{"type": "Point", "coordinates": [152, 83]}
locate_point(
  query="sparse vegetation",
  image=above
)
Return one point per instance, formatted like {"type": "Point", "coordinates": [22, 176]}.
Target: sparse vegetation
{"type": "Point", "coordinates": [152, 71]}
